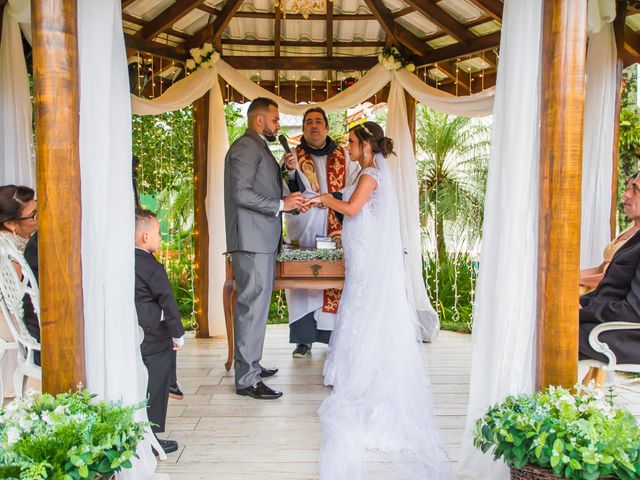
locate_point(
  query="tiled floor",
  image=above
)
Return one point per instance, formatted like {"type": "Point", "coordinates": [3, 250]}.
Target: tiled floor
{"type": "Point", "coordinates": [226, 437]}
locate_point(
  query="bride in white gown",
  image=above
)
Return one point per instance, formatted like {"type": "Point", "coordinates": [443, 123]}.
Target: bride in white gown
{"type": "Point", "coordinates": [378, 421]}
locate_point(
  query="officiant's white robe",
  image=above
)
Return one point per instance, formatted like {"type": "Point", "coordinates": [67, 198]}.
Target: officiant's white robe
{"type": "Point", "coordinates": [304, 228]}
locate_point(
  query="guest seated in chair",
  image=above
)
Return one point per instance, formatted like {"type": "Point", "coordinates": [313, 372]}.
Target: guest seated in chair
{"type": "Point", "coordinates": [591, 277]}
{"type": "Point", "coordinates": [18, 225]}
{"type": "Point", "coordinates": [616, 297]}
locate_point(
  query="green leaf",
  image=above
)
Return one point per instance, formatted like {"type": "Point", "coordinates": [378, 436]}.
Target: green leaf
{"type": "Point", "coordinates": [575, 464]}
{"type": "Point", "coordinates": [83, 471]}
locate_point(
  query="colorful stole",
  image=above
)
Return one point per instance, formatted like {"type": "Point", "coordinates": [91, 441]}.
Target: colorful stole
{"type": "Point", "coordinates": [336, 181]}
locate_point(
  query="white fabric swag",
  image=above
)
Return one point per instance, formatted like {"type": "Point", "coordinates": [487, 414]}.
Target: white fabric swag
{"type": "Point", "coordinates": [197, 84]}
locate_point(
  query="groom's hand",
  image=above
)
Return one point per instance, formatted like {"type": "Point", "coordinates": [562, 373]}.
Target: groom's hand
{"type": "Point", "coordinates": [293, 201]}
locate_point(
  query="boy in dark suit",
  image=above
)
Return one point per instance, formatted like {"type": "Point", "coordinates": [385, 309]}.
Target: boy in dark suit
{"type": "Point", "coordinates": [159, 318]}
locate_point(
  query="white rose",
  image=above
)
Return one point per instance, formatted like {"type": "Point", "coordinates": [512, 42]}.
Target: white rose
{"type": "Point", "coordinates": [380, 58]}
{"type": "Point", "coordinates": [60, 409]}
{"type": "Point", "coordinates": [397, 65]}
{"type": "Point", "coordinates": [191, 64]}
{"type": "Point", "coordinates": [13, 435]}
{"type": "Point", "coordinates": [208, 47]}
{"type": "Point", "coordinates": [215, 56]}
{"type": "Point", "coordinates": [411, 68]}
{"type": "Point", "coordinates": [195, 52]}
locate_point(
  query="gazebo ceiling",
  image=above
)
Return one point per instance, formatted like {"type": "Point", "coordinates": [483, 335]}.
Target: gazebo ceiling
{"type": "Point", "coordinates": [454, 42]}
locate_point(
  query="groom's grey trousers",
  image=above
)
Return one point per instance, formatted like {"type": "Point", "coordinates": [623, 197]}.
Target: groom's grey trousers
{"type": "Point", "coordinates": [254, 273]}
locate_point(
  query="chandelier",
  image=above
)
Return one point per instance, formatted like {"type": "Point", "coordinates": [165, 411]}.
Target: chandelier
{"type": "Point", "coordinates": [305, 7]}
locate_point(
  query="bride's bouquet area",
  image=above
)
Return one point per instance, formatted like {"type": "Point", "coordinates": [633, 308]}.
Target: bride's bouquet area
{"type": "Point", "coordinates": [66, 437]}
{"type": "Point", "coordinates": [556, 433]}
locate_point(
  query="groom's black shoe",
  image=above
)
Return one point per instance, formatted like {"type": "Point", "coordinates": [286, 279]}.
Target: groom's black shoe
{"type": "Point", "coordinates": [268, 372]}
{"type": "Point", "coordinates": [301, 351]}
{"type": "Point", "coordinates": [259, 391]}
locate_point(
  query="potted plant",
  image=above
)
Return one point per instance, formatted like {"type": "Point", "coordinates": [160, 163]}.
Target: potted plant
{"type": "Point", "coordinates": [559, 434]}
{"type": "Point", "coordinates": [67, 437]}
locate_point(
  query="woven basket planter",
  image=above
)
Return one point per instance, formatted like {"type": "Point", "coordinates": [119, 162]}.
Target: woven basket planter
{"type": "Point", "coordinates": [532, 472]}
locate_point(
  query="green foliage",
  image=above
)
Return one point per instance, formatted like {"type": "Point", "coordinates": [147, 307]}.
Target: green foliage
{"type": "Point", "coordinates": [451, 281]}
{"type": "Point", "coordinates": [629, 138]}
{"type": "Point", "coordinates": [66, 437]}
{"type": "Point", "coordinates": [581, 437]}
{"type": "Point", "coordinates": [452, 155]}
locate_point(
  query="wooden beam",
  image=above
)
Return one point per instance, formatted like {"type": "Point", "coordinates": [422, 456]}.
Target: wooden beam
{"type": "Point", "coordinates": [213, 32]}
{"type": "Point", "coordinates": [564, 41]}
{"type": "Point", "coordinates": [631, 41]}
{"type": "Point", "coordinates": [242, 62]}
{"type": "Point", "coordinates": [618, 30]}
{"type": "Point", "coordinates": [400, 36]}
{"type": "Point", "coordinates": [201, 224]}
{"type": "Point", "coordinates": [56, 101]}
{"type": "Point", "coordinates": [399, 13]}
{"type": "Point", "coordinates": [442, 19]}
{"type": "Point", "coordinates": [299, 43]}
{"type": "Point", "coordinates": [493, 8]}
{"type": "Point", "coordinates": [168, 17]}
{"type": "Point", "coordinates": [486, 42]}
{"type": "Point", "coordinates": [450, 71]}
{"type": "Point", "coordinates": [173, 53]}
{"type": "Point", "coordinates": [126, 3]}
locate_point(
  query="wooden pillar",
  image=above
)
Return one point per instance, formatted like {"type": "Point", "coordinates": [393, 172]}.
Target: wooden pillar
{"type": "Point", "coordinates": [561, 124]}
{"type": "Point", "coordinates": [618, 29]}
{"type": "Point", "coordinates": [411, 117]}
{"type": "Point", "coordinates": [201, 225]}
{"type": "Point", "coordinates": [56, 98]}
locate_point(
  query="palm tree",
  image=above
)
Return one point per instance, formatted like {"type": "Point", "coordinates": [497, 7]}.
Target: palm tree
{"type": "Point", "coordinates": [452, 157]}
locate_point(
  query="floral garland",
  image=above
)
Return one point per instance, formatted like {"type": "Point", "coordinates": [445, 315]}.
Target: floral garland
{"type": "Point", "coordinates": [205, 56]}
{"type": "Point", "coordinates": [303, 255]}
{"type": "Point", "coordinates": [391, 59]}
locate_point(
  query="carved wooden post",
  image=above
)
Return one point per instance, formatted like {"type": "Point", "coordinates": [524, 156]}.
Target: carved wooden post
{"type": "Point", "coordinates": [55, 74]}
{"type": "Point", "coordinates": [201, 225]}
{"type": "Point", "coordinates": [561, 120]}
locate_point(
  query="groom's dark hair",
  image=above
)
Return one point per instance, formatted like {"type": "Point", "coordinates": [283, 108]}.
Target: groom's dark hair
{"type": "Point", "coordinates": [260, 105]}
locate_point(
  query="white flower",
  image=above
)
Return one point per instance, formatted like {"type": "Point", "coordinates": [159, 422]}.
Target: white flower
{"type": "Point", "coordinates": [207, 64]}
{"type": "Point", "coordinates": [60, 409]}
{"type": "Point", "coordinates": [190, 64]}
{"type": "Point", "coordinates": [207, 47]}
{"type": "Point", "coordinates": [380, 58]}
{"type": "Point", "coordinates": [47, 418]}
{"type": "Point", "coordinates": [397, 65]}
{"type": "Point", "coordinates": [13, 435]}
{"type": "Point", "coordinates": [196, 53]}
{"type": "Point", "coordinates": [215, 56]}
{"type": "Point", "coordinates": [411, 68]}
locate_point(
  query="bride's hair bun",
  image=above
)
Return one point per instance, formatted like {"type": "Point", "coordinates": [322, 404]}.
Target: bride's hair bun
{"type": "Point", "coordinates": [372, 132]}
{"type": "Point", "coordinates": [386, 146]}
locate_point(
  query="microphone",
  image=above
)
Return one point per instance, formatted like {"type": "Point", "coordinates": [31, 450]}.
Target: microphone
{"type": "Point", "coordinates": [283, 141]}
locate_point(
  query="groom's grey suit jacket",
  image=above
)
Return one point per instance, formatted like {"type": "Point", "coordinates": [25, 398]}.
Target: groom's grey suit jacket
{"type": "Point", "coordinates": [252, 193]}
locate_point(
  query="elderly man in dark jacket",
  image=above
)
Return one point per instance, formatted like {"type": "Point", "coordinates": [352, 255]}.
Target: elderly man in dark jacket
{"type": "Point", "coordinates": [617, 297]}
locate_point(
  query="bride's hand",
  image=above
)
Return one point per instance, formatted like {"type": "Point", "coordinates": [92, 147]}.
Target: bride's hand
{"type": "Point", "coordinates": [317, 201]}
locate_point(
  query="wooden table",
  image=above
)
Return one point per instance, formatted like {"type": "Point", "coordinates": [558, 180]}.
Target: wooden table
{"type": "Point", "coordinates": [307, 275]}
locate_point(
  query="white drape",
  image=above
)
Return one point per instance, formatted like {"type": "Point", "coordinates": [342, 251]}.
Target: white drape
{"type": "Point", "coordinates": [113, 361]}
{"type": "Point", "coordinates": [16, 139]}
{"type": "Point", "coordinates": [503, 340]}
{"type": "Point", "coordinates": [198, 83]}
{"type": "Point", "coordinates": [597, 146]}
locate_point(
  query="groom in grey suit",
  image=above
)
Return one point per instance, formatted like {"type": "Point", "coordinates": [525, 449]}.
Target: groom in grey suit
{"type": "Point", "coordinates": [253, 206]}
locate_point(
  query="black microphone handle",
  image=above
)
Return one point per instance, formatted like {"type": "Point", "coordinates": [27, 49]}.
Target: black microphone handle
{"type": "Point", "coordinates": [283, 141]}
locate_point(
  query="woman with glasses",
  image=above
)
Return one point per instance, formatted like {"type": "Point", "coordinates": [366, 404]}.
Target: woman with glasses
{"type": "Point", "coordinates": [18, 224]}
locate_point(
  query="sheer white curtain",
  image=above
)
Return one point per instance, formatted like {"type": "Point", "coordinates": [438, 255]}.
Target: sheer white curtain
{"type": "Point", "coordinates": [114, 365]}
{"type": "Point", "coordinates": [597, 147]}
{"type": "Point", "coordinates": [503, 351]}
{"type": "Point", "coordinates": [16, 139]}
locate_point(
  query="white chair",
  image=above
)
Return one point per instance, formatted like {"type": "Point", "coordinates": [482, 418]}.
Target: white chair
{"type": "Point", "coordinates": [602, 347]}
{"type": "Point", "coordinates": [5, 347]}
{"type": "Point", "coordinates": [12, 290]}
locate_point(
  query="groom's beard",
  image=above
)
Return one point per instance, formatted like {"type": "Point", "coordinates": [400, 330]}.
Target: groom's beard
{"type": "Point", "coordinates": [269, 135]}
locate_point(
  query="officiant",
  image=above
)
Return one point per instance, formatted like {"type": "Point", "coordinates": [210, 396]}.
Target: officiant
{"type": "Point", "coordinates": [318, 165]}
